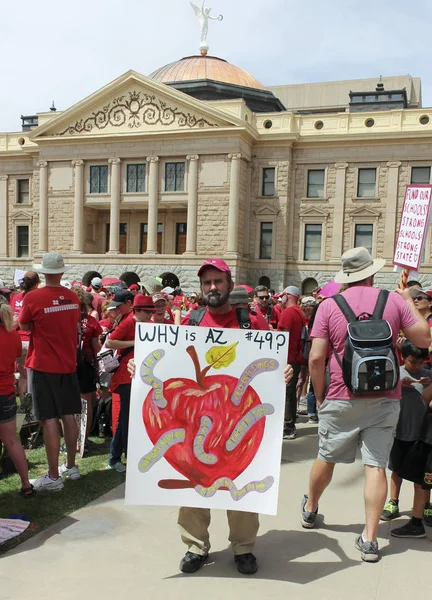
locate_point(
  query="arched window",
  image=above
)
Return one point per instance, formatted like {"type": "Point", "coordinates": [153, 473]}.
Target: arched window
{"type": "Point", "coordinates": [308, 286]}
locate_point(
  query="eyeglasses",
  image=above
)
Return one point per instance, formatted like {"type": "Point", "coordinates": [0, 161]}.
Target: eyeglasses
{"type": "Point", "coordinates": [263, 297]}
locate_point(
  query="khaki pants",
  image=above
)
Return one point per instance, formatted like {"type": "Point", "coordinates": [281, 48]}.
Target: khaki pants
{"type": "Point", "coordinates": [194, 524]}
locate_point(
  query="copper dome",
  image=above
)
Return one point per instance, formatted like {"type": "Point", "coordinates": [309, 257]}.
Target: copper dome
{"type": "Point", "coordinates": [193, 68]}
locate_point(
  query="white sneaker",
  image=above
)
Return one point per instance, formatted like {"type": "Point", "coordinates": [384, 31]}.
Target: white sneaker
{"type": "Point", "coordinates": [118, 466]}
{"type": "Point", "coordinates": [46, 484]}
{"type": "Point", "coordinates": [71, 473]}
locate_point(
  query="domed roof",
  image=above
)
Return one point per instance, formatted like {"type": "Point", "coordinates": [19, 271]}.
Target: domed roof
{"type": "Point", "coordinates": [193, 68]}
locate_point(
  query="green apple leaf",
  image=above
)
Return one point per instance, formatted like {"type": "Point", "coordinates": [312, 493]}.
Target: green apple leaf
{"type": "Point", "coordinates": [221, 356]}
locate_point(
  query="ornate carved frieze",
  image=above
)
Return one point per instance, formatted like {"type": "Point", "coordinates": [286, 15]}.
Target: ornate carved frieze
{"type": "Point", "coordinates": [134, 110]}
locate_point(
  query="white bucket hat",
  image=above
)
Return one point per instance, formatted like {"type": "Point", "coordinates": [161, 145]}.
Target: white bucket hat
{"type": "Point", "coordinates": [358, 264]}
{"type": "Point", "coordinates": [52, 264]}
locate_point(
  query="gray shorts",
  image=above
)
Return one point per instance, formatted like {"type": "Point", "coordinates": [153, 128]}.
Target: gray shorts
{"type": "Point", "coordinates": [365, 423]}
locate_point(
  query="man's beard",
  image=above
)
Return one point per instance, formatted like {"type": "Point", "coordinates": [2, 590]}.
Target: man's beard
{"type": "Point", "coordinates": [216, 299]}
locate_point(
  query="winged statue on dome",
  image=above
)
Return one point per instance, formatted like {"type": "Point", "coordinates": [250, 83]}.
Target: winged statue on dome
{"type": "Point", "coordinates": [203, 15]}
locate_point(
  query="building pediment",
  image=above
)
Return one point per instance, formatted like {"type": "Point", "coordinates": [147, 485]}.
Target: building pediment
{"type": "Point", "coordinates": [266, 210]}
{"type": "Point", "coordinates": [21, 215]}
{"type": "Point", "coordinates": [134, 104]}
{"type": "Point", "coordinates": [365, 211]}
{"type": "Point", "coordinates": [314, 212]}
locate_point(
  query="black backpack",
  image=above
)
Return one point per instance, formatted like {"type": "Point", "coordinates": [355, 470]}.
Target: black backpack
{"type": "Point", "coordinates": [369, 364]}
{"type": "Point", "coordinates": [196, 316]}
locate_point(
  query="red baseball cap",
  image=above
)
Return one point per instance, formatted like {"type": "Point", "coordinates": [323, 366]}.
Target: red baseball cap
{"type": "Point", "coordinates": [215, 263]}
{"type": "Point", "coordinates": [134, 286]}
{"type": "Point", "coordinates": [144, 302]}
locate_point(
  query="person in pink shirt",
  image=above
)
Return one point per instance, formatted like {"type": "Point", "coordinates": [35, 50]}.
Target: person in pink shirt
{"type": "Point", "coordinates": [348, 421]}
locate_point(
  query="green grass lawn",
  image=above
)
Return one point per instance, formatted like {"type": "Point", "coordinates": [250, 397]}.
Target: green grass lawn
{"type": "Point", "coordinates": [45, 508]}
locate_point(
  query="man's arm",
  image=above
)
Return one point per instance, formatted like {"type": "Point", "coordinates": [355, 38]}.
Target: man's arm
{"type": "Point", "coordinates": [119, 344]}
{"type": "Point", "coordinates": [317, 363]}
{"type": "Point", "coordinates": [419, 333]}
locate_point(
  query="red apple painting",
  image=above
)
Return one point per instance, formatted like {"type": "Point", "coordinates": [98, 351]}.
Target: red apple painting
{"type": "Point", "coordinates": [205, 412]}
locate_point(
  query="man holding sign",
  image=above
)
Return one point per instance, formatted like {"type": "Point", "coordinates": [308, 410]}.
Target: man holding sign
{"type": "Point", "coordinates": [216, 285]}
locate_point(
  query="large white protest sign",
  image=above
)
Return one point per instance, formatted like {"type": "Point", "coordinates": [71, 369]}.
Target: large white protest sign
{"type": "Point", "coordinates": [206, 418]}
{"type": "Point", "coordinates": [414, 224]}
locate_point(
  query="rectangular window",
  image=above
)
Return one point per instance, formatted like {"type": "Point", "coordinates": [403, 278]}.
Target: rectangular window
{"type": "Point", "coordinates": [266, 241]}
{"type": "Point", "coordinates": [313, 242]}
{"type": "Point", "coordinates": [174, 176]}
{"type": "Point", "coordinates": [180, 245]}
{"type": "Point", "coordinates": [99, 179]}
{"type": "Point", "coordinates": [135, 178]}
{"type": "Point", "coordinates": [366, 186]}
{"type": "Point", "coordinates": [363, 236]}
{"type": "Point", "coordinates": [420, 175]}
{"type": "Point", "coordinates": [143, 237]}
{"type": "Point", "coordinates": [22, 240]}
{"type": "Point", "coordinates": [268, 182]}
{"type": "Point", "coordinates": [23, 191]}
{"type": "Point", "coordinates": [315, 183]}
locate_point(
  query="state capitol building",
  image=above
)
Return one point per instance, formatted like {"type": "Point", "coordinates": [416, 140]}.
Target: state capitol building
{"type": "Point", "coordinates": [155, 174]}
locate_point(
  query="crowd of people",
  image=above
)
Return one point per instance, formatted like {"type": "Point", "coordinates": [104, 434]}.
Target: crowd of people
{"type": "Point", "coordinates": [61, 342]}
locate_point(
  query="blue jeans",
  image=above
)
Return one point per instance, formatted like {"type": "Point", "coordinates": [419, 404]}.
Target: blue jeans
{"type": "Point", "coordinates": [311, 401]}
{"type": "Point", "coordinates": [120, 439]}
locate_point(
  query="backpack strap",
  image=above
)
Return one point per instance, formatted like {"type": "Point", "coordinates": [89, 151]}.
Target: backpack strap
{"type": "Point", "coordinates": [381, 304]}
{"type": "Point", "coordinates": [345, 308]}
{"type": "Point", "coordinates": [243, 318]}
{"type": "Point", "coordinates": [196, 316]}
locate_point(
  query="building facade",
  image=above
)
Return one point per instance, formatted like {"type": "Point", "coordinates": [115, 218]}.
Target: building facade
{"type": "Point", "coordinates": [147, 176]}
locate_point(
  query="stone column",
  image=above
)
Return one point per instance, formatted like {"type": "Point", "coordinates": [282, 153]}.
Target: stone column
{"type": "Point", "coordinates": [114, 241]}
{"type": "Point", "coordinates": [78, 244]}
{"type": "Point", "coordinates": [43, 206]}
{"type": "Point", "coordinates": [246, 238]}
{"type": "Point", "coordinates": [234, 202]}
{"type": "Point", "coordinates": [152, 220]}
{"type": "Point", "coordinates": [391, 209]}
{"type": "Point", "coordinates": [192, 208]}
{"type": "Point", "coordinates": [290, 214]}
{"type": "Point", "coordinates": [339, 212]}
{"type": "Point", "coordinates": [4, 216]}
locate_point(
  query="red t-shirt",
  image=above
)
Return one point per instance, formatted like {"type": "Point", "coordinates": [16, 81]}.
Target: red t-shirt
{"type": "Point", "coordinates": [106, 324]}
{"type": "Point", "coordinates": [292, 319]}
{"type": "Point", "coordinates": [90, 328]}
{"type": "Point", "coordinates": [275, 316]}
{"type": "Point", "coordinates": [97, 302]}
{"type": "Point", "coordinates": [228, 320]}
{"type": "Point", "coordinates": [124, 332]}
{"type": "Point", "coordinates": [10, 350]}
{"type": "Point", "coordinates": [54, 314]}
{"type": "Point", "coordinates": [16, 302]}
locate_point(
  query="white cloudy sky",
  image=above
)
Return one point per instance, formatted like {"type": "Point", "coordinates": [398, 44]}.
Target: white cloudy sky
{"type": "Point", "coordinates": [63, 51]}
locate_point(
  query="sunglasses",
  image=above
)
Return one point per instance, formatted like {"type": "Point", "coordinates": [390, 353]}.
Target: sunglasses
{"type": "Point", "coordinates": [422, 298]}
{"type": "Point", "coordinates": [263, 297]}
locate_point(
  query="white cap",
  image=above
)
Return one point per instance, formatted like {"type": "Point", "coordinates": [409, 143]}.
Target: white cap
{"type": "Point", "coordinates": [292, 290]}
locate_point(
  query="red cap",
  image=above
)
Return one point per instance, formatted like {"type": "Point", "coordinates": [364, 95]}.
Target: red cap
{"type": "Point", "coordinates": [429, 293]}
{"type": "Point", "coordinates": [145, 302]}
{"type": "Point", "coordinates": [215, 263]}
{"type": "Point", "coordinates": [134, 286]}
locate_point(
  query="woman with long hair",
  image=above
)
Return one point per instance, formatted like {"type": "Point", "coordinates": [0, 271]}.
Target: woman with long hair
{"type": "Point", "coordinates": [89, 346]}
{"type": "Point", "coordinates": [10, 350]}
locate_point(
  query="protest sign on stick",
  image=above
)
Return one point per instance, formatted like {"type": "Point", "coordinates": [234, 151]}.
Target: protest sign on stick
{"type": "Point", "coordinates": [206, 418]}
{"type": "Point", "coordinates": [414, 224]}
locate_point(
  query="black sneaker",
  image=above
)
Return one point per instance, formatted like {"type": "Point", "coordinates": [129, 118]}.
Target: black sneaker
{"type": "Point", "coordinates": [369, 550]}
{"type": "Point", "coordinates": [289, 434]}
{"type": "Point", "coordinates": [427, 515]}
{"type": "Point", "coordinates": [307, 519]}
{"type": "Point", "coordinates": [246, 563]}
{"type": "Point", "coordinates": [390, 512]}
{"type": "Point", "coordinates": [409, 530]}
{"type": "Point", "coordinates": [191, 562]}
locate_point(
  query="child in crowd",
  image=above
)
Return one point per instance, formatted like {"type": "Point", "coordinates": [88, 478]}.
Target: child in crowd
{"type": "Point", "coordinates": [410, 428]}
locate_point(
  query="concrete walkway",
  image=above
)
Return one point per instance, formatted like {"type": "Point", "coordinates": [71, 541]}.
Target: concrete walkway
{"type": "Point", "coordinates": [109, 551]}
